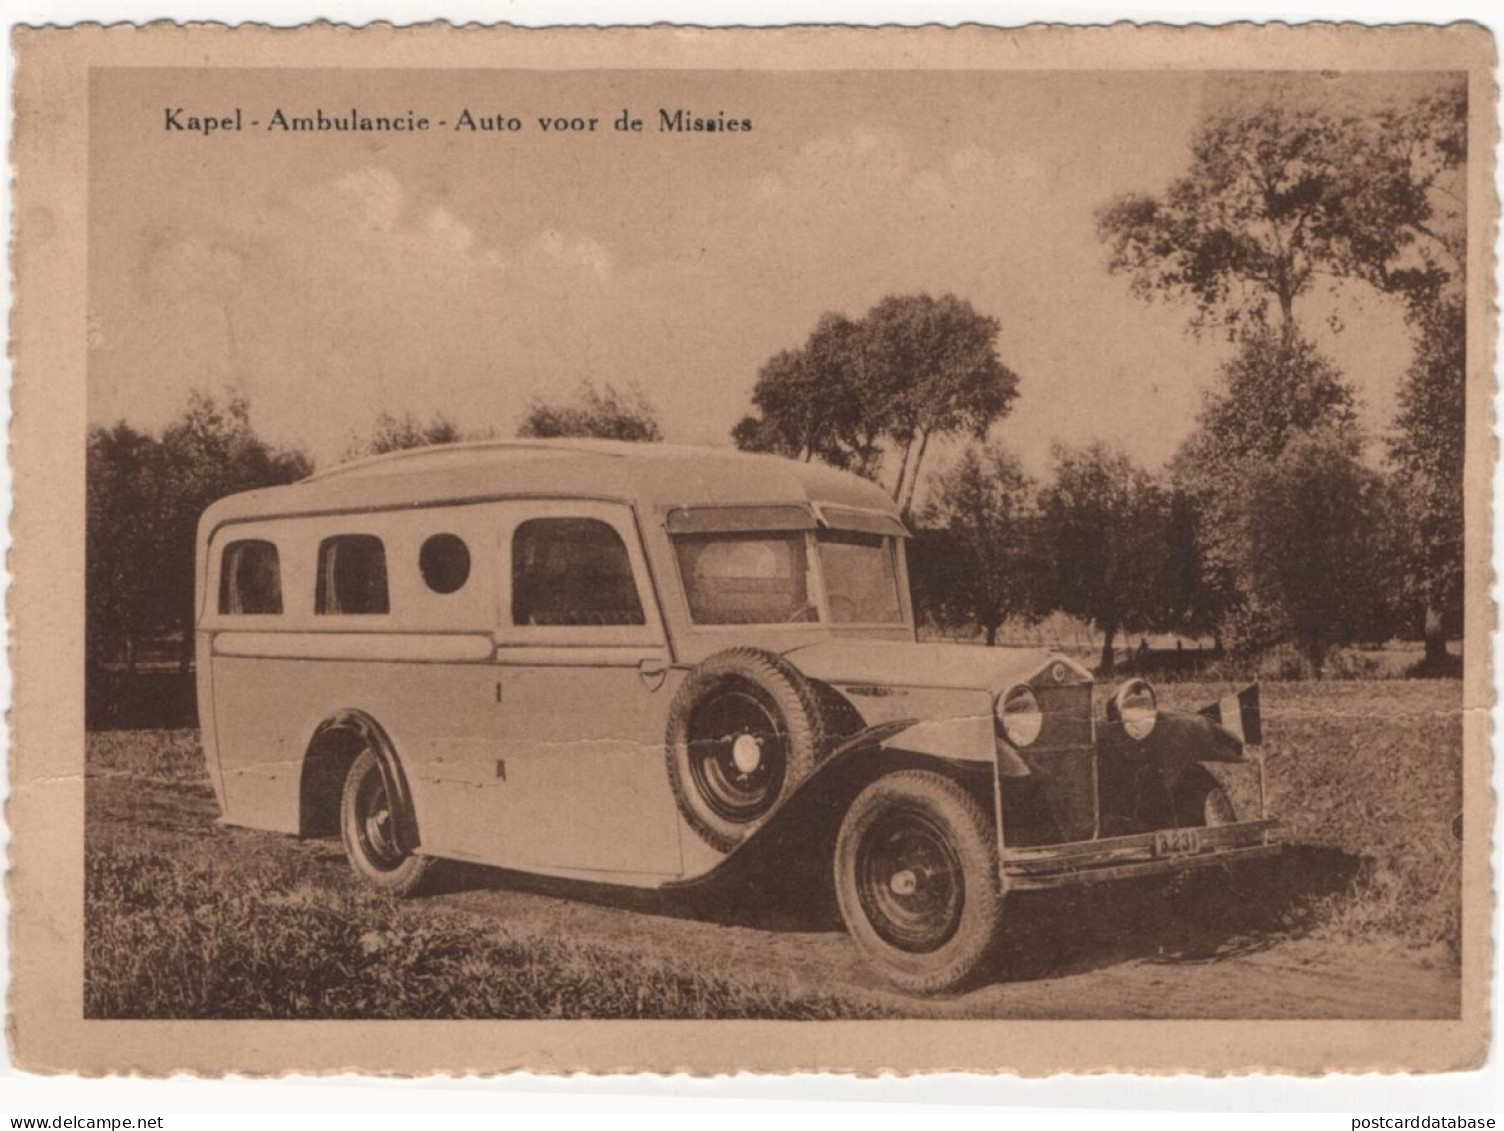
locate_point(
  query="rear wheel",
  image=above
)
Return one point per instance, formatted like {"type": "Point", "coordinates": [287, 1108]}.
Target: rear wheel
{"type": "Point", "coordinates": [916, 875]}
{"type": "Point", "coordinates": [368, 826]}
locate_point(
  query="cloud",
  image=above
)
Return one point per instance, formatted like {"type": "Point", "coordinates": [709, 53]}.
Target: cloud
{"type": "Point", "coordinates": [839, 170]}
{"type": "Point", "coordinates": [368, 200]}
{"type": "Point", "coordinates": [552, 254]}
{"type": "Point", "coordinates": [367, 214]}
{"type": "Point", "coordinates": [359, 231]}
{"type": "Point", "coordinates": [330, 302]}
{"type": "Point", "coordinates": [869, 173]}
{"type": "Point", "coordinates": [853, 215]}
{"type": "Point", "coordinates": [448, 233]}
{"type": "Point", "coordinates": [195, 264]}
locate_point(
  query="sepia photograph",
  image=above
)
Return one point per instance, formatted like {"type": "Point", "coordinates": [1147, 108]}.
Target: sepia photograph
{"type": "Point", "coordinates": [802, 544]}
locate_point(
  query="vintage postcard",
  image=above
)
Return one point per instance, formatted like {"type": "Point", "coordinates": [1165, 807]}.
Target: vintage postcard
{"type": "Point", "coordinates": [816, 549]}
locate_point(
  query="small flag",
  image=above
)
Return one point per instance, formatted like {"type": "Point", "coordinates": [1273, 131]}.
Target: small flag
{"type": "Point", "coordinates": [1239, 714]}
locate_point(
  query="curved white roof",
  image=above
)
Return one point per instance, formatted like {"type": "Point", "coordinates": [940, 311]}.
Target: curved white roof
{"type": "Point", "coordinates": [650, 475]}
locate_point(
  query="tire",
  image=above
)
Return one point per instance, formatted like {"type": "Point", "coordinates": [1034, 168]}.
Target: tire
{"type": "Point", "coordinates": [1201, 894]}
{"type": "Point", "coordinates": [744, 728]}
{"type": "Point", "coordinates": [931, 928]}
{"type": "Point", "coordinates": [367, 827]}
{"type": "Point", "coordinates": [1201, 802]}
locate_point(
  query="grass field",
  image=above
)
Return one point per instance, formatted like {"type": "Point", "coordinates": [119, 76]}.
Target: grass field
{"type": "Point", "coordinates": [169, 937]}
{"type": "Point", "coordinates": [1367, 777]}
{"type": "Point", "coordinates": [184, 921]}
{"type": "Point", "coordinates": [181, 922]}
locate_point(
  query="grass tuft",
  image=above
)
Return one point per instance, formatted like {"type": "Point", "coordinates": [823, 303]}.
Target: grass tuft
{"type": "Point", "coordinates": [173, 938]}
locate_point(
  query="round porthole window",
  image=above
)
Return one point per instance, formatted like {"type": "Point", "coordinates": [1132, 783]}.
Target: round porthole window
{"type": "Point", "coordinates": [444, 562]}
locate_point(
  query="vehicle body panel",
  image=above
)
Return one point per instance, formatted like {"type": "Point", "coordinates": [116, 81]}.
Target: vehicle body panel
{"type": "Point", "coordinates": [541, 746]}
{"type": "Point", "coordinates": [507, 734]}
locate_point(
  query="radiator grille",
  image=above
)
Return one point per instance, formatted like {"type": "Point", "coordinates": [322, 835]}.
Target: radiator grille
{"type": "Point", "coordinates": [1067, 715]}
{"type": "Point", "coordinates": [1057, 802]}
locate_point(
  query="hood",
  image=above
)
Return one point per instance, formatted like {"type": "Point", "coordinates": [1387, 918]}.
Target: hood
{"type": "Point", "coordinates": [907, 664]}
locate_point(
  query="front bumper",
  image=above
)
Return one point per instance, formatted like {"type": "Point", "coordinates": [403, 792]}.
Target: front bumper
{"type": "Point", "coordinates": [1128, 857]}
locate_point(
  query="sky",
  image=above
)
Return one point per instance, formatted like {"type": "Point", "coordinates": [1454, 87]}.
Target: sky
{"type": "Point", "coordinates": [331, 277]}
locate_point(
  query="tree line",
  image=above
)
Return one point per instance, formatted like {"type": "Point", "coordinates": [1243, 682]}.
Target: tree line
{"type": "Point", "coordinates": [144, 496]}
{"type": "Point", "coordinates": [1271, 524]}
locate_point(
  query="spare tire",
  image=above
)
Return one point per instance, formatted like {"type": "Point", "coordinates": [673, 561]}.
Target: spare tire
{"type": "Point", "coordinates": [744, 728]}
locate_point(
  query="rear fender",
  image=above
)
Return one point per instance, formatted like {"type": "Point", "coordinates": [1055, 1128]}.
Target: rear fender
{"type": "Point", "coordinates": [368, 732]}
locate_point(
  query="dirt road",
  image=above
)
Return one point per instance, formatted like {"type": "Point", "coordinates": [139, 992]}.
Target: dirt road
{"type": "Point", "coordinates": [1132, 976]}
{"type": "Point", "coordinates": [1132, 951]}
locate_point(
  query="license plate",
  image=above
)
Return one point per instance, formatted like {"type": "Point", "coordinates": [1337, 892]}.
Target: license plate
{"type": "Point", "coordinates": [1177, 842]}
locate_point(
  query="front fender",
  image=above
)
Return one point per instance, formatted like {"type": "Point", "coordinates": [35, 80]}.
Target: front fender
{"type": "Point", "coordinates": [804, 824]}
{"type": "Point", "coordinates": [1177, 740]}
{"type": "Point", "coordinates": [954, 724]}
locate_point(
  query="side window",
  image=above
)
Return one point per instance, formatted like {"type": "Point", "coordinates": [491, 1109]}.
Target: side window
{"type": "Point", "coordinates": [444, 562]}
{"type": "Point", "coordinates": [352, 575]}
{"type": "Point", "coordinates": [572, 571]}
{"type": "Point", "coordinates": [250, 579]}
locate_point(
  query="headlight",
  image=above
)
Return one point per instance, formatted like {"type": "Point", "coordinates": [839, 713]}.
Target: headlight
{"type": "Point", "coordinates": [1019, 713]}
{"type": "Point", "coordinates": [1135, 707]}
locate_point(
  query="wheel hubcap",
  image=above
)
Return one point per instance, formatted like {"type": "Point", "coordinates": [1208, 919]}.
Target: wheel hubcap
{"type": "Point", "coordinates": [910, 882]}
{"type": "Point", "coordinates": [738, 753]}
{"type": "Point", "coordinates": [746, 752]}
{"type": "Point", "coordinates": [375, 824]}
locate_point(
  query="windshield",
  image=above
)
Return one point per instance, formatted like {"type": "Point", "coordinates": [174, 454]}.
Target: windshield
{"type": "Point", "coordinates": [747, 578]}
{"type": "Point", "coordinates": [767, 578]}
{"type": "Point", "coordinates": [861, 578]}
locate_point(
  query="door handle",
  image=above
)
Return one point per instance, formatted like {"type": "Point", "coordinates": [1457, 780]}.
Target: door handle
{"type": "Point", "coordinates": [653, 671]}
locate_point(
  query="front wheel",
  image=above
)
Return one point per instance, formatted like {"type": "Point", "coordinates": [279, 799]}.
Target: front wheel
{"type": "Point", "coordinates": [916, 873]}
{"type": "Point", "coordinates": [368, 827]}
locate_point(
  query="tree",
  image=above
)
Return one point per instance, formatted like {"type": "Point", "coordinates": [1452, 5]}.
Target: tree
{"type": "Point", "coordinates": [1246, 224]}
{"type": "Point", "coordinates": [398, 433]}
{"type": "Point", "coordinates": [1277, 388]}
{"type": "Point", "coordinates": [1192, 602]}
{"type": "Point", "coordinates": [605, 413]}
{"type": "Point", "coordinates": [1313, 544]}
{"type": "Point", "coordinates": [1105, 523]}
{"type": "Point", "coordinates": [1428, 453]}
{"type": "Point", "coordinates": [123, 532]}
{"type": "Point", "coordinates": [1405, 229]}
{"type": "Point", "coordinates": [979, 547]}
{"type": "Point", "coordinates": [145, 497]}
{"type": "Point", "coordinates": [912, 369]}
{"type": "Point", "coordinates": [813, 402]}
{"type": "Point", "coordinates": [1417, 155]}
{"type": "Point", "coordinates": [1282, 195]}
{"type": "Point", "coordinates": [935, 365]}
{"type": "Point", "coordinates": [1274, 388]}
